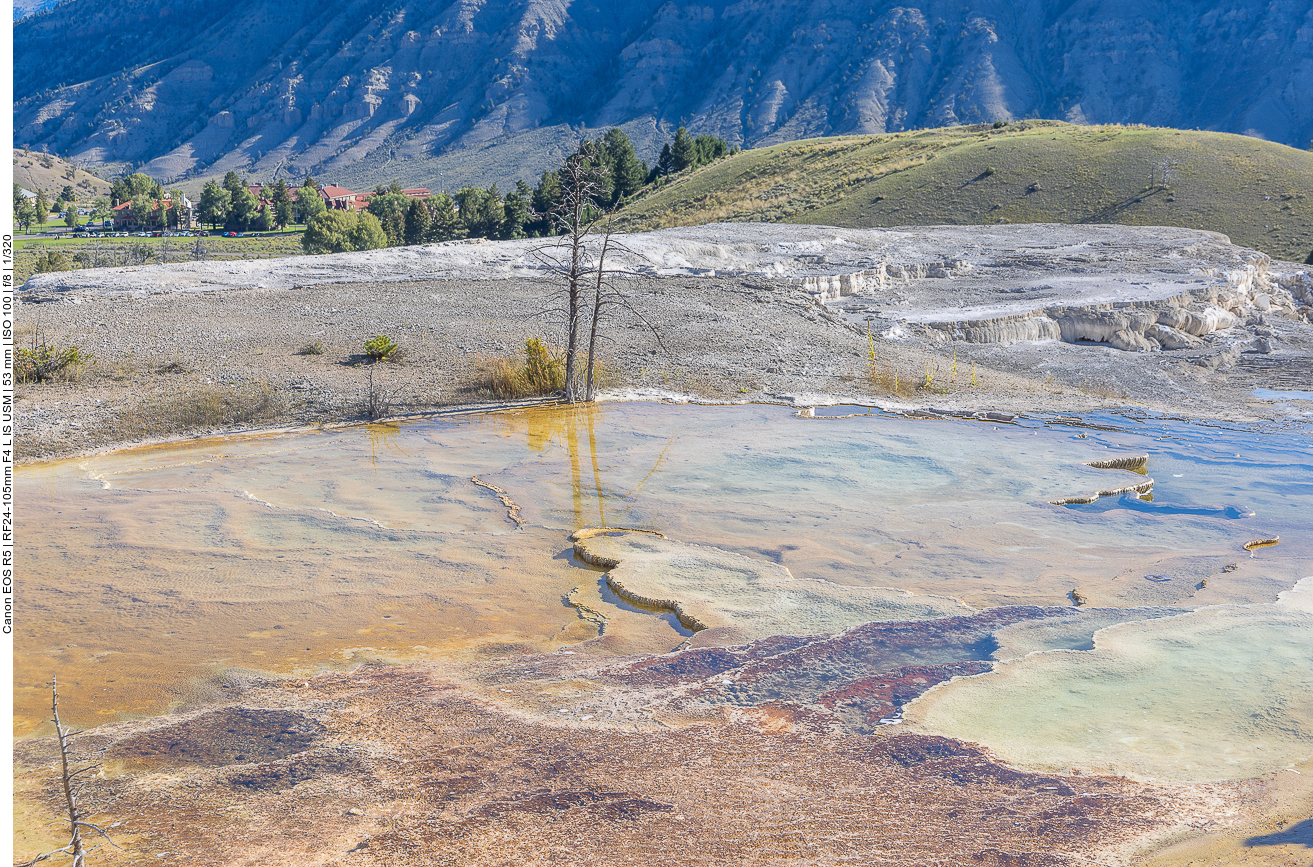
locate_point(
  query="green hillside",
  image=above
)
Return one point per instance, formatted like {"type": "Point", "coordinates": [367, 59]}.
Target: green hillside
{"type": "Point", "coordinates": [1258, 193]}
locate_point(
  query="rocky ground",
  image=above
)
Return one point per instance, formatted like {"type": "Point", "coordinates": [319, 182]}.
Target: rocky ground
{"type": "Point", "coordinates": [722, 313]}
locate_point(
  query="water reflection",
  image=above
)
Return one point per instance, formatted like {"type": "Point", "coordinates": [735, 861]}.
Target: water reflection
{"type": "Point", "coordinates": [566, 431]}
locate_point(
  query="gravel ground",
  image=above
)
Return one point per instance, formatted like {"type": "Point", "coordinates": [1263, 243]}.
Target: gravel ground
{"type": "Point", "coordinates": [224, 356]}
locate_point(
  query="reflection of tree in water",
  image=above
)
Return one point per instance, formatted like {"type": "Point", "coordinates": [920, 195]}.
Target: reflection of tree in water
{"type": "Point", "coordinates": [383, 437]}
{"type": "Point", "coordinates": [565, 427]}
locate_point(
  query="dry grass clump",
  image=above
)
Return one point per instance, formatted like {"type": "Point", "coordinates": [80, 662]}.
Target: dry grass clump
{"type": "Point", "coordinates": [542, 372]}
{"type": "Point", "coordinates": [889, 382]}
{"type": "Point", "coordinates": [200, 407]}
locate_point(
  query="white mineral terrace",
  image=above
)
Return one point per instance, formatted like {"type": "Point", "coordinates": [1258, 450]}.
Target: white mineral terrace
{"type": "Point", "coordinates": [1134, 288]}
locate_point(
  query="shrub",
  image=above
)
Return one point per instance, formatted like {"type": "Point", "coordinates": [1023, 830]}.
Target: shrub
{"type": "Point", "coordinates": [52, 260]}
{"type": "Point", "coordinates": [315, 348]}
{"type": "Point", "coordinates": [541, 373]}
{"type": "Point", "coordinates": [46, 363]}
{"type": "Point", "coordinates": [544, 372]}
{"type": "Point", "coordinates": [380, 348]}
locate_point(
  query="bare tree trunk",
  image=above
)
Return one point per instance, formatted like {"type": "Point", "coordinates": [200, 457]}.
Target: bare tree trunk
{"type": "Point", "coordinates": [572, 308]}
{"type": "Point", "coordinates": [578, 242]}
{"type": "Point", "coordinates": [590, 393]}
{"type": "Point", "coordinates": [70, 797]}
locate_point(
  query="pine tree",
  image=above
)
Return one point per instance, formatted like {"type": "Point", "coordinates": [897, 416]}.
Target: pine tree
{"type": "Point", "coordinates": [445, 225]}
{"type": "Point", "coordinates": [628, 174]}
{"type": "Point", "coordinates": [683, 150]}
{"type": "Point", "coordinates": [417, 222]}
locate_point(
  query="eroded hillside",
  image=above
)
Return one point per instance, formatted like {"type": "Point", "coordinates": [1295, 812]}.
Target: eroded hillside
{"type": "Point", "coordinates": [442, 94]}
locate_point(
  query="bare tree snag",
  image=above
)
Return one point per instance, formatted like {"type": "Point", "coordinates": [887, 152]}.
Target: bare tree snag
{"type": "Point", "coordinates": [76, 818]}
{"type": "Point", "coordinates": [579, 254]}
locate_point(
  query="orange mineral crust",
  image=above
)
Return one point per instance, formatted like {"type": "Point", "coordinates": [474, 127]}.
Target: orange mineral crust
{"type": "Point", "coordinates": [399, 765]}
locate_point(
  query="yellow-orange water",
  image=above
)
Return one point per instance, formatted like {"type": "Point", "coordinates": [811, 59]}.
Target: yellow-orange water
{"type": "Point", "coordinates": [149, 576]}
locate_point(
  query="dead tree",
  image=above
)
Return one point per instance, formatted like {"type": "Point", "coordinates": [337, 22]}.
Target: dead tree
{"type": "Point", "coordinates": [579, 256]}
{"type": "Point", "coordinates": [76, 817]}
{"type": "Point", "coordinates": [607, 294]}
{"type": "Point", "coordinates": [575, 219]}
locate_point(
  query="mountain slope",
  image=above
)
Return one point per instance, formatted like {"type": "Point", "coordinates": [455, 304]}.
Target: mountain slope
{"type": "Point", "coordinates": [417, 89]}
{"type": "Point", "coordinates": [23, 8]}
{"type": "Point", "coordinates": [1258, 193]}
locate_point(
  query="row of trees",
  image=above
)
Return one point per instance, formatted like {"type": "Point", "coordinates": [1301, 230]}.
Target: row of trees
{"type": "Point", "coordinates": [475, 212]}
{"type": "Point", "coordinates": [233, 205]}
{"type": "Point", "coordinates": [29, 212]}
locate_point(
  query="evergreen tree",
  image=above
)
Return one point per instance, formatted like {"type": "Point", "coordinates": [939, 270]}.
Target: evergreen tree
{"type": "Point", "coordinates": [664, 166]}
{"type": "Point", "coordinates": [482, 212]}
{"type": "Point", "coordinates": [282, 205]}
{"type": "Point", "coordinates": [445, 225]}
{"type": "Point", "coordinates": [628, 174]}
{"type": "Point", "coordinates": [547, 197]}
{"type": "Point", "coordinates": [242, 211]}
{"type": "Point", "coordinates": [517, 210]}
{"type": "Point", "coordinates": [709, 148]}
{"type": "Point", "coordinates": [41, 207]}
{"type": "Point", "coordinates": [417, 222]}
{"type": "Point", "coordinates": [387, 203]}
{"type": "Point", "coordinates": [234, 183]}
{"type": "Point", "coordinates": [395, 229]}
{"type": "Point", "coordinates": [683, 150]}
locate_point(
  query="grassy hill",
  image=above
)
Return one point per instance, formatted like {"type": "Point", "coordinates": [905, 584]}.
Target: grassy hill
{"type": "Point", "coordinates": [36, 171]}
{"type": "Point", "coordinates": [1258, 193]}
